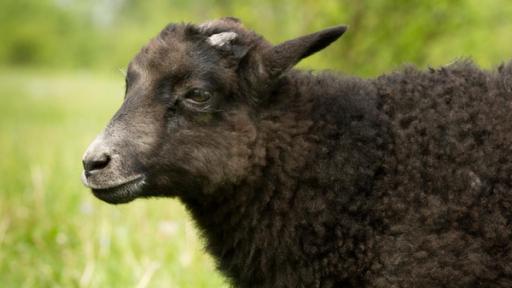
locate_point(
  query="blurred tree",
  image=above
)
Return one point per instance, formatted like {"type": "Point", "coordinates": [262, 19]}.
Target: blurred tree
{"type": "Point", "coordinates": [383, 34]}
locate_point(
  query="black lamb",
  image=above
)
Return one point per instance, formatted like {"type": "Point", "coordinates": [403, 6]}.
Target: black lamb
{"type": "Point", "coordinates": [304, 179]}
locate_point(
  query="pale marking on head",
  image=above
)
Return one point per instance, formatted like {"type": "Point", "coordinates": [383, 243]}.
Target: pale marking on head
{"type": "Point", "coordinates": [222, 39]}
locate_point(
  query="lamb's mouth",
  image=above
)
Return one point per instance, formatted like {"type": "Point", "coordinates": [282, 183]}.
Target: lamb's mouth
{"type": "Point", "coordinates": [120, 193]}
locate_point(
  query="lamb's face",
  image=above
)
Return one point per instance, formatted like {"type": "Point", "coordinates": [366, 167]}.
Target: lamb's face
{"type": "Point", "coordinates": [187, 120]}
{"type": "Point", "coordinates": [183, 127]}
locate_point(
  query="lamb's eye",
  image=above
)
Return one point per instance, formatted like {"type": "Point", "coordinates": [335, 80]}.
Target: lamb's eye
{"type": "Point", "coordinates": [198, 96]}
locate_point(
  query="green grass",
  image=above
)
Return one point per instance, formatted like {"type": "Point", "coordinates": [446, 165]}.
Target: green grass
{"type": "Point", "coordinates": [53, 232]}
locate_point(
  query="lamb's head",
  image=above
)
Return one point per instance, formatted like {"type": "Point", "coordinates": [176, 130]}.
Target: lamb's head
{"type": "Point", "coordinates": [190, 112]}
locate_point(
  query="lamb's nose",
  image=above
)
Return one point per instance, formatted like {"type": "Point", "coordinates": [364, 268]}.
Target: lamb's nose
{"type": "Point", "coordinates": [94, 162]}
{"type": "Point", "coordinates": [97, 157]}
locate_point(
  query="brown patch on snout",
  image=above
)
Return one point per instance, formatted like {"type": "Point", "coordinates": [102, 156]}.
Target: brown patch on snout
{"type": "Point", "coordinates": [114, 161]}
{"type": "Point", "coordinates": [109, 169]}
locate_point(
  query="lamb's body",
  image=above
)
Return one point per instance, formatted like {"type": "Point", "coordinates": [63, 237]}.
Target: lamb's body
{"type": "Point", "coordinates": [402, 181]}
{"type": "Point", "coordinates": [317, 180]}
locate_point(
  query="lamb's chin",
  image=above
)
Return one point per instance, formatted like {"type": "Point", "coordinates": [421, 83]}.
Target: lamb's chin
{"type": "Point", "coordinates": [123, 193]}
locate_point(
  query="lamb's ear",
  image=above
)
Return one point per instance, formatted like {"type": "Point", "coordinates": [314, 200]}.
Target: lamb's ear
{"type": "Point", "coordinates": [284, 56]}
{"type": "Point", "coordinates": [228, 42]}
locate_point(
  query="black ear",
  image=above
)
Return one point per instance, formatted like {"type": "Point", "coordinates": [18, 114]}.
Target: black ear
{"type": "Point", "coordinates": [285, 55]}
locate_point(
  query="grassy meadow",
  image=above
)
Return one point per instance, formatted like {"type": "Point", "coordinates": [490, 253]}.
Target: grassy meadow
{"type": "Point", "coordinates": [53, 232]}
{"type": "Point", "coordinates": [59, 85]}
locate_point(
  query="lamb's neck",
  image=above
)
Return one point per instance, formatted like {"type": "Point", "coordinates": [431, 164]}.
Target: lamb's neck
{"type": "Point", "coordinates": [250, 226]}
{"type": "Point", "coordinates": [311, 159]}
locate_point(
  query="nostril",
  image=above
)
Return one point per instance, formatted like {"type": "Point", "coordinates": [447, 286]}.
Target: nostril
{"type": "Point", "coordinates": [96, 163]}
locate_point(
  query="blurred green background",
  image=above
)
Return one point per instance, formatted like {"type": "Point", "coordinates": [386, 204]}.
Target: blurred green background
{"type": "Point", "coordinates": [60, 83]}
